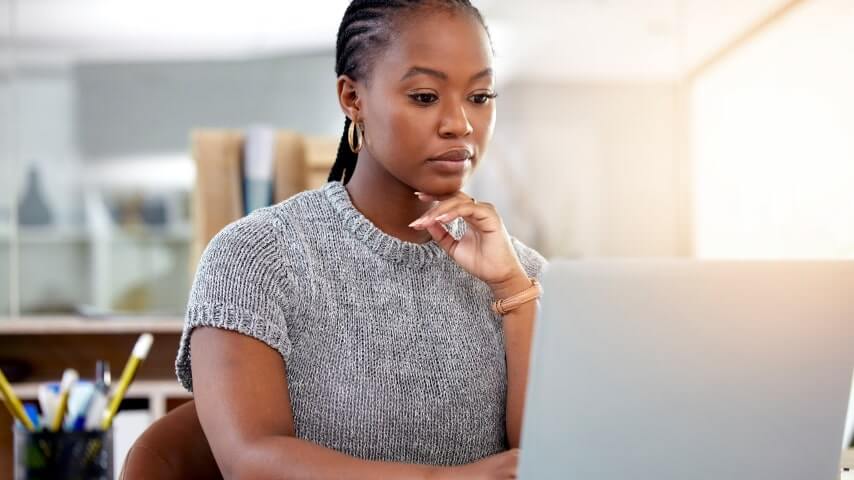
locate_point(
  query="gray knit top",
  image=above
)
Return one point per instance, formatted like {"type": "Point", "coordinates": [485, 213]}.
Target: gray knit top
{"type": "Point", "coordinates": [392, 350]}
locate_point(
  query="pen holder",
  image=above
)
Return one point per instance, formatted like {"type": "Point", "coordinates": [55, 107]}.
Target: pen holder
{"type": "Point", "coordinates": [63, 455]}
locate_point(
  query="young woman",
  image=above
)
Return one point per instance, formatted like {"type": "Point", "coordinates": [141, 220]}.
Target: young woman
{"type": "Point", "coordinates": [350, 331]}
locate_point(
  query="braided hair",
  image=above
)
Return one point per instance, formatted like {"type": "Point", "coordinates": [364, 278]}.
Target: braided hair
{"type": "Point", "coordinates": [365, 30]}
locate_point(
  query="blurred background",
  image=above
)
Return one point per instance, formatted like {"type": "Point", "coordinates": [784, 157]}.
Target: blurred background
{"type": "Point", "coordinates": [626, 128]}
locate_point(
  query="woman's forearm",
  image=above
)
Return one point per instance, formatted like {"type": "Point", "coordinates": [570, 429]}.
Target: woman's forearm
{"type": "Point", "coordinates": [518, 327]}
{"type": "Point", "coordinates": [283, 458]}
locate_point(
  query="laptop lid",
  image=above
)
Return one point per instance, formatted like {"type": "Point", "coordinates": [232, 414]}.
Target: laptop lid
{"type": "Point", "coordinates": [683, 369]}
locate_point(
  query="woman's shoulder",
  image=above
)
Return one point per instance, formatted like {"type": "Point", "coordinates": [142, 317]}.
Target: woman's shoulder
{"type": "Point", "coordinates": [279, 220]}
{"type": "Point", "coordinates": [269, 235]}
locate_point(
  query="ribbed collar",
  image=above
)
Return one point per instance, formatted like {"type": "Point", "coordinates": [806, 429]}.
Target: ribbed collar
{"type": "Point", "coordinates": [385, 245]}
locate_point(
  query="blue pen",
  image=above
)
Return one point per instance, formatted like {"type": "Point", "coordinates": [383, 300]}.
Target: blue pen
{"type": "Point", "coordinates": [33, 413]}
{"type": "Point", "coordinates": [79, 423]}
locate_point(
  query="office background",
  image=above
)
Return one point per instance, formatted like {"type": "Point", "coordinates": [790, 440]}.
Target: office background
{"type": "Point", "coordinates": [660, 128]}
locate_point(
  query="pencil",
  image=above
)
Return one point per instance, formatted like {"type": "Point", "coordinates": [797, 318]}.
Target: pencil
{"type": "Point", "coordinates": [140, 351]}
{"type": "Point", "coordinates": [69, 378]}
{"type": "Point", "coordinates": [13, 404]}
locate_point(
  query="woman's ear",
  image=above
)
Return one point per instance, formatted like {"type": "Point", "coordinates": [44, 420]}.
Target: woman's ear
{"type": "Point", "coordinates": [348, 99]}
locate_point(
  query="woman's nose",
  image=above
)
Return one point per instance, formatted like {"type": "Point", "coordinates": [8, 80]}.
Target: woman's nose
{"type": "Point", "coordinates": [455, 122]}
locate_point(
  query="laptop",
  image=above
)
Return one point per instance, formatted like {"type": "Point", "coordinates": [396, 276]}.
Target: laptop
{"type": "Point", "coordinates": [688, 369]}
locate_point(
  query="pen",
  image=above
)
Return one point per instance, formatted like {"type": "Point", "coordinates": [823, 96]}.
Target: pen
{"type": "Point", "coordinates": [90, 419]}
{"type": "Point", "coordinates": [33, 413]}
{"type": "Point", "coordinates": [14, 404]}
{"type": "Point", "coordinates": [78, 405]}
{"type": "Point", "coordinates": [48, 396]}
{"type": "Point", "coordinates": [69, 376]}
{"type": "Point", "coordinates": [102, 376]}
{"type": "Point", "coordinates": [95, 413]}
{"type": "Point", "coordinates": [140, 351]}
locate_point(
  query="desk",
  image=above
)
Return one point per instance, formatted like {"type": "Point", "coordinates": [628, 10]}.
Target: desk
{"type": "Point", "coordinates": [848, 460]}
{"type": "Point", "coordinates": [52, 344]}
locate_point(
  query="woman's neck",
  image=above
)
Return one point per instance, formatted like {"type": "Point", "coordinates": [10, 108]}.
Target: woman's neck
{"type": "Point", "coordinates": [387, 202]}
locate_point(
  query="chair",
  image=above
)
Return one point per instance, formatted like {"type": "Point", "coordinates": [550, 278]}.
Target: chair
{"type": "Point", "coordinates": [175, 447]}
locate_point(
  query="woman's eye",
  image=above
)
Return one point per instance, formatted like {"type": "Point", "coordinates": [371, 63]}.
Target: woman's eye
{"type": "Point", "coordinates": [482, 98]}
{"type": "Point", "coordinates": [424, 98]}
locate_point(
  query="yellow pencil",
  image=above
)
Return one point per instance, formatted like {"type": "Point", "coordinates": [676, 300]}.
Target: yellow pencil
{"type": "Point", "coordinates": [69, 378]}
{"type": "Point", "coordinates": [140, 351]}
{"type": "Point", "coordinates": [14, 404]}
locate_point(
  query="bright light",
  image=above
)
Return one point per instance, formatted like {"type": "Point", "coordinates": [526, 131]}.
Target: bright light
{"type": "Point", "coordinates": [94, 29]}
{"type": "Point", "coordinates": [773, 144]}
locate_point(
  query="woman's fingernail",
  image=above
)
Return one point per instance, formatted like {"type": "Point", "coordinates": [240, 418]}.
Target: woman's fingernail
{"type": "Point", "coordinates": [442, 217]}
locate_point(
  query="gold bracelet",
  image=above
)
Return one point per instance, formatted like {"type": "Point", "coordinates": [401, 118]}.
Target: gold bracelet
{"type": "Point", "coordinates": [504, 305]}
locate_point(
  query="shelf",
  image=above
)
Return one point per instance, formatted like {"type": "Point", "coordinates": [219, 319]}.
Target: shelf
{"type": "Point", "coordinates": [64, 325]}
{"type": "Point", "coordinates": [137, 389]}
{"type": "Point", "coordinates": [155, 391]}
{"type": "Point", "coordinates": [181, 233]}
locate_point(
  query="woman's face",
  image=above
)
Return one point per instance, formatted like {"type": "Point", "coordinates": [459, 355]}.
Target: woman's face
{"type": "Point", "coordinates": [429, 94]}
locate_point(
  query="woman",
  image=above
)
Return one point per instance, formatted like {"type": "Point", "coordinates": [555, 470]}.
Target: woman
{"type": "Point", "coordinates": [348, 332]}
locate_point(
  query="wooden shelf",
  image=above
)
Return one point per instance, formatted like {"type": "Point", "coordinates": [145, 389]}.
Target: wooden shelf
{"type": "Point", "coordinates": [74, 325]}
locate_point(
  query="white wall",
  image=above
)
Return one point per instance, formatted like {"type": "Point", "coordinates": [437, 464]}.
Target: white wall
{"type": "Point", "coordinates": [773, 146]}
{"type": "Point", "coordinates": [142, 108]}
{"type": "Point", "coordinates": [593, 164]}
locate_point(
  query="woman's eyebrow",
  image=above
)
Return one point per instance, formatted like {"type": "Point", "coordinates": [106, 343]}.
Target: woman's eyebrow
{"type": "Point", "coordinates": [441, 75]}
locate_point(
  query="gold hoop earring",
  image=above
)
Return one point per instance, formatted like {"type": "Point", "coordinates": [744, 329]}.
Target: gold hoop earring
{"type": "Point", "coordinates": [359, 134]}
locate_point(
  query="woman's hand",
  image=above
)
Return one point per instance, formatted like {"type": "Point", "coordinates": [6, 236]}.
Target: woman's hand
{"type": "Point", "coordinates": [499, 466]}
{"type": "Point", "coordinates": [484, 250]}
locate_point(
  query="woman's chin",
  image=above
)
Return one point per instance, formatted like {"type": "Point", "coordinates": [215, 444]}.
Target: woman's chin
{"type": "Point", "coordinates": [440, 186]}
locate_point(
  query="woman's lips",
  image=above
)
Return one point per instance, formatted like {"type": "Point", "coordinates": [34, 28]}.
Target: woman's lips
{"type": "Point", "coordinates": [455, 155]}
{"type": "Point", "coordinates": [451, 166]}
{"type": "Point", "coordinates": [453, 161]}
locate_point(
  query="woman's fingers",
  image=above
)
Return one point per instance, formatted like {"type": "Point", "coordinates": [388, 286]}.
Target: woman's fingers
{"type": "Point", "coordinates": [442, 208]}
{"type": "Point", "coordinates": [479, 215]}
{"type": "Point", "coordinates": [443, 238]}
{"type": "Point", "coordinates": [428, 214]}
{"type": "Point", "coordinates": [482, 217]}
{"type": "Point", "coordinates": [432, 198]}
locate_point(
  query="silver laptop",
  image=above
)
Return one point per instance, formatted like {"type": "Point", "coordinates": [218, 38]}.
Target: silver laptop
{"type": "Point", "coordinates": [682, 369]}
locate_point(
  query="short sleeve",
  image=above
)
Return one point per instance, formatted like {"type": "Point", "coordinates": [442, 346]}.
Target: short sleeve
{"type": "Point", "coordinates": [532, 261]}
{"type": "Point", "coordinates": [243, 284]}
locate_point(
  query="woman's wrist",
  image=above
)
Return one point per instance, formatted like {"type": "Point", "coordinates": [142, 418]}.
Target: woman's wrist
{"type": "Point", "coordinates": [511, 286]}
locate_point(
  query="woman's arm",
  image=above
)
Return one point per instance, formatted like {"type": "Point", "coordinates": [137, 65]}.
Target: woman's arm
{"type": "Point", "coordinates": [518, 327]}
{"type": "Point", "coordinates": [242, 400]}
{"type": "Point", "coordinates": [486, 251]}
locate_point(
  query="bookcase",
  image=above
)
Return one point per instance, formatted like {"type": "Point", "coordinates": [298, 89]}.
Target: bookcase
{"type": "Point", "coordinates": [300, 162]}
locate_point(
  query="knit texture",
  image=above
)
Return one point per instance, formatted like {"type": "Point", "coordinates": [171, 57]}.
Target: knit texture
{"type": "Point", "coordinates": [392, 350]}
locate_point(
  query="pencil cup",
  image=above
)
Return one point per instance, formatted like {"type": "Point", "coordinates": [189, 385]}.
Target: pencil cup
{"type": "Point", "coordinates": [63, 455]}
